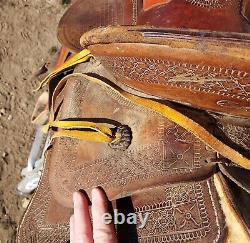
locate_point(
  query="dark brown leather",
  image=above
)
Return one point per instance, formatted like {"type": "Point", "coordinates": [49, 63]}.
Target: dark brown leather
{"type": "Point", "coordinates": [237, 129]}
{"type": "Point", "coordinates": [239, 176]}
{"type": "Point", "coordinates": [245, 9]}
{"type": "Point", "coordinates": [213, 15]}
{"type": "Point", "coordinates": [205, 70]}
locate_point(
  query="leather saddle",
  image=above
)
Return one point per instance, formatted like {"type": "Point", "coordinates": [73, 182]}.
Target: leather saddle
{"type": "Point", "coordinates": [157, 115]}
{"type": "Point", "coordinates": [212, 15]}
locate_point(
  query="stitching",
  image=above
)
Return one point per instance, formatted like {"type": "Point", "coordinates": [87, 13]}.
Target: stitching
{"type": "Point", "coordinates": [134, 10]}
{"type": "Point", "coordinates": [215, 212]}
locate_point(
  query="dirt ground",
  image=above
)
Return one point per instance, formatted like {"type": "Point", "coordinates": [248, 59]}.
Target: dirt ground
{"type": "Point", "coordinates": [27, 39]}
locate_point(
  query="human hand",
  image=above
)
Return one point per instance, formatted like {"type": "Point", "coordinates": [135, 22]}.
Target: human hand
{"type": "Point", "coordinates": [81, 228]}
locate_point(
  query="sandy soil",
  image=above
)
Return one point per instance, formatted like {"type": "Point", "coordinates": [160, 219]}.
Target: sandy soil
{"type": "Point", "coordinates": [27, 39]}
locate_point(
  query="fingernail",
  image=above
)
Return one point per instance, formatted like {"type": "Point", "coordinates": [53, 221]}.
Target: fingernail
{"type": "Point", "coordinates": [74, 197]}
{"type": "Point", "coordinates": [94, 192]}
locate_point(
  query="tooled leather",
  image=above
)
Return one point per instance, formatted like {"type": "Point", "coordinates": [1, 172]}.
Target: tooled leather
{"type": "Point", "coordinates": [159, 147]}
{"type": "Point", "coordinates": [180, 73]}
{"type": "Point", "coordinates": [202, 78]}
{"type": "Point", "coordinates": [47, 220]}
{"type": "Point", "coordinates": [214, 3]}
{"type": "Point", "coordinates": [178, 213]}
{"type": "Point", "coordinates": [183, 211]}
{"type": "Point", "coordinates": [237, 129]}
{"type": "Point", "coordinates": [238, 134]}
{"type": "Point", "coordinates": [36, 225]}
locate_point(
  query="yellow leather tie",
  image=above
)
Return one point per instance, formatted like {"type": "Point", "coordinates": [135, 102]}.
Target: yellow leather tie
{"type": "Point", "coordinates": [78, 58]}
{"type": "Point", "coordinates": [95, 132]}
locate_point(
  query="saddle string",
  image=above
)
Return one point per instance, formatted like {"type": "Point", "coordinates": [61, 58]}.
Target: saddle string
{"type": "Point", "coordinates": [95, 132]}
{"type": "Point", "coordinates": [78, 58]}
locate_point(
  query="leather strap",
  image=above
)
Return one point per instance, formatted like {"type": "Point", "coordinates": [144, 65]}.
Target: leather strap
{"type": "Point", "coordinates": [64, 53]}
{"type": "Point", "coordinates": [78, 58]}
{"type": "Point", "coordinates": [98, 133]}
{"type": "Point", "coordinates": [81, 124]}
{"type": "Point", "coordinates": [162, 109]}
{"type": "Point", "coordinates": [40, 114]}
{"type": "Point", "coordinates": [85, 135]}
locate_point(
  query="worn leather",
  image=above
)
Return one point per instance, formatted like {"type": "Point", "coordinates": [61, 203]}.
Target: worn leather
{"type": "Point", "coordinates": [189, 211]}
{"type": "Point", "coordinates": [154, 141]}
{"type": "Point", "coordinates": [177, 65]}
{"type": "Point", "coordinates": [213, 15]}
{"type": "Point", "coordinates": [164, 172]}
{"type": "Point", "coordinates": [237, 129]}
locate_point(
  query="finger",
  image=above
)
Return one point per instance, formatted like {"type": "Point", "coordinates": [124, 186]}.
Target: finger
{"type": "Point", "coordinates": [82, 224]}
{"type": "Point", "coordinates": [72, 229]}
{"type": "Point", "coordinates": [102, 233]}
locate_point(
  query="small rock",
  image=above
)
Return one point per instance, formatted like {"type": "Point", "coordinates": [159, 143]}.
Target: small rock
{"type": "Point", "coordinates": [53, 50]}
{"type": "Point", "coordinates": [2, 112]}
{"type": "Point", "coordinates": [10, 117]}
{"type": "Point", "coordinates": [4, 155]}
{"type": "Point", "coordinates": [25, 202]}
